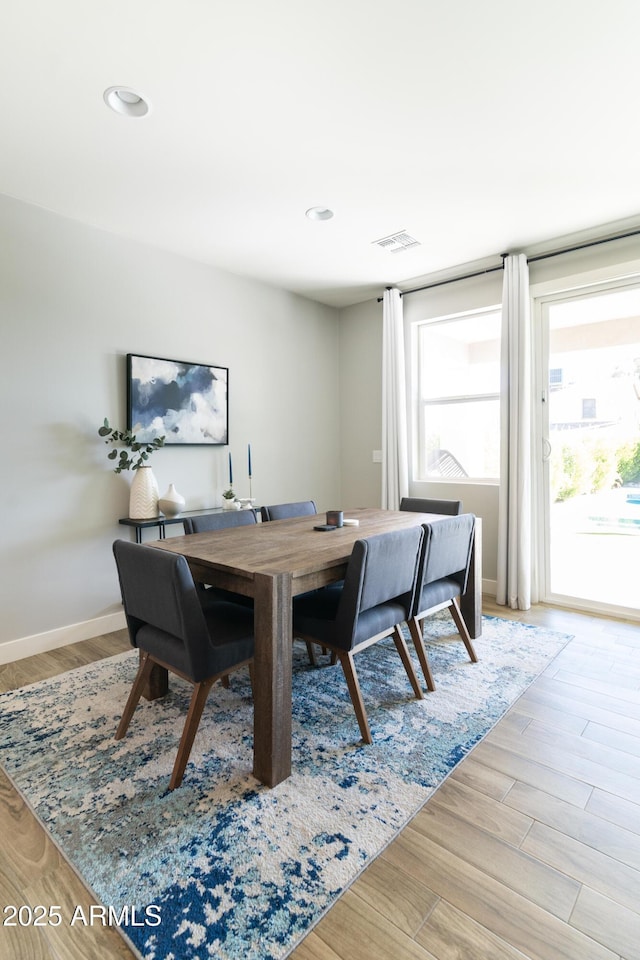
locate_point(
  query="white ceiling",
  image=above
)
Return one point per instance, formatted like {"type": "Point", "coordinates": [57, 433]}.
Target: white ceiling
{"type": "Point", "coordinates": [479, 126]}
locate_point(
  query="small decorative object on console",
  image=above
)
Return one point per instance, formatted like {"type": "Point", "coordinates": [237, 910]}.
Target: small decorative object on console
{"type": "Point", "coordinates": [172, 503]}
{"type": "Point", "coordinates": [143, 498]}
{"type": "Point", "coordinates": [229, 501]}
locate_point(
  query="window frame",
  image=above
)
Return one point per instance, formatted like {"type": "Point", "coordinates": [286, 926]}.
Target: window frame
{"type": "Point", "coordinates": [420, 474]}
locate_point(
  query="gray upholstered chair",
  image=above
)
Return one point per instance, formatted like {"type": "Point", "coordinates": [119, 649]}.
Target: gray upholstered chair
{"type": "Point", "coordinates": [377, 596]}
{"type": "Point", "coordinates": [283, 511]}
{"type": "Point", "coordinates": [170, 626]}
{"type": "Point", "coordinates": [419, 505]}
{"type": "Point", "coordinates": [443, 577]}
{"type": "Point", "coordinates": [219, 521]}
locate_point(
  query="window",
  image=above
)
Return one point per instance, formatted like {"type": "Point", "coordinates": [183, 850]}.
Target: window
{"type": "Point", "coordinates": [458, 422]}
{"type": "Point", "coordinates": [588, 409]}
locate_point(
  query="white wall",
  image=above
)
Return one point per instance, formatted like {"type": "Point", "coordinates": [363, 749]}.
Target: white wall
{"type": "Point", "coordinates": [361, 403]}
{"type": "Point", "coordinates": [73, 302]}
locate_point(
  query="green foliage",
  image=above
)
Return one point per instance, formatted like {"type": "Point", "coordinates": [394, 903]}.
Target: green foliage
{"type": "Point", "coordinates": [585, 465]}
{"type": "Point", "coordinates": [629, 463]}
{"type": "Point", "coordinates": [603, 466]}
{"type": "Point", "coordinates": [134, 453]}
{"type": "Point", "coordinates": [567, 480]}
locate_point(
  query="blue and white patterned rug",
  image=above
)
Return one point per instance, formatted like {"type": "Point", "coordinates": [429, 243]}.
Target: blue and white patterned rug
{"type": "Point", "coordinates": [232, 870]}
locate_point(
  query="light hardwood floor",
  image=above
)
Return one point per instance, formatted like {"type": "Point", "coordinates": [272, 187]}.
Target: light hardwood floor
{"type": "Point", "coordinates": [531, 849]}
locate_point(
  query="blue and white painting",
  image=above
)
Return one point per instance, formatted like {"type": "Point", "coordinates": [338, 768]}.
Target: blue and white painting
{"type": "Point", "coordinates": [184, 402]}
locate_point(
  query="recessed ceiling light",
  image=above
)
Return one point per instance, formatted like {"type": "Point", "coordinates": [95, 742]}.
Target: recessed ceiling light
{"type": "Point", "coordinates": [126, 101]}
{"type": "Point", "coordinates": [319, 213]}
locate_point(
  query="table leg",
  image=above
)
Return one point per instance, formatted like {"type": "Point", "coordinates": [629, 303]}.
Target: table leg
{"type": "Point", "coordinates": [471, 601]}
{"type": "Point", "coordinates": [272, 678]}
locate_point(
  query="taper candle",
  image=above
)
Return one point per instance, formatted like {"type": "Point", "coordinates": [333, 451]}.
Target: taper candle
{"type": "Point", "coordinates": [230, 472]}
{"type": "Point", "coordinates": [249, 450]}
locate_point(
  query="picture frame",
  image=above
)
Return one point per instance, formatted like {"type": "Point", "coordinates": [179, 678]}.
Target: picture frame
{"type": "Point", "coordinates": [187, 403]}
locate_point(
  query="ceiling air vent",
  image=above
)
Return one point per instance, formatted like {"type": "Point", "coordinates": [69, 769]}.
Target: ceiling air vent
{"type": "Point", "coordinates": [397, 242]}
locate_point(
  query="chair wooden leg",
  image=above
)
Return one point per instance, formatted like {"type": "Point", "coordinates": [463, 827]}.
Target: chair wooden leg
{"type": "Point", "coordinates": [141, 679]}
{"type": "Point", "coordinates": [462, 629]}
{"type": "Point", "coordinates": [225, 681]}
{"type": "Point", "coordinates": [403, 650]}
{"type": "Point", "coordinates": [349, 668]}
{"type": "Point", "coordinates": [418, 642]}
{"type": "Point", "coordinates": [311, 653]}
{"type": "Point", "coordinates": [198, 700]}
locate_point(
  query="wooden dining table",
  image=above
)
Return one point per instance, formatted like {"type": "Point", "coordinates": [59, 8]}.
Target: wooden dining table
{"type": "Point", "coordinates": [274, 562]}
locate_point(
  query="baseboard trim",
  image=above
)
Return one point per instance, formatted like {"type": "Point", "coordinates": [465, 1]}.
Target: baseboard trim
{"type": "Point", "coordinates": [52, 639]}
{"type": "Point", "coordinates": [490, 587]}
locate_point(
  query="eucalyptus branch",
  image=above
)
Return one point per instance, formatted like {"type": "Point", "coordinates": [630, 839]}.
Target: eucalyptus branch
{"type": "Point", "coordinates": [134, 454]}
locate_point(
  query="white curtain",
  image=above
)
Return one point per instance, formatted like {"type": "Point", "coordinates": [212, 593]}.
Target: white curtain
{"type": "Point", "coordinates": [395, 469]}
{"type": "Point", "coordinates": [516, 585]}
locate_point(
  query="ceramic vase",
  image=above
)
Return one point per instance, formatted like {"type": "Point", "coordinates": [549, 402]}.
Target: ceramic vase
{"type": "Point", "coordinates": [171, 503]}
{"type": "Point", "coordinates": [143, 498]}
{"type": "Point", "coordinates": [229, 504]}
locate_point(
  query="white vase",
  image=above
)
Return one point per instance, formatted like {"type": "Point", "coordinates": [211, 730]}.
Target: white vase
{"type": "Point", "coordinates": [171, 503]}
{"type": "Point", "coordinates": [143, 498]}
{"type": "Point", "coordinates": [229, 504]}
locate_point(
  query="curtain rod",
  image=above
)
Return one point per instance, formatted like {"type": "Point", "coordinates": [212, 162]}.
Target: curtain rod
{"type": "Point", "coordinates": [540, 256]}
{"type": "Point", "coordinates": [441, 283]}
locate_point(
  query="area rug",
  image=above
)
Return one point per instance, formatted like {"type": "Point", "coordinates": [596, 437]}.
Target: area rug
{"type": "Point", "coordinates": [223, 867]}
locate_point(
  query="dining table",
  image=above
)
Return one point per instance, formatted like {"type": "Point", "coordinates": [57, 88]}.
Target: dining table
{"type": "Point", "coordinates": [272, 563]}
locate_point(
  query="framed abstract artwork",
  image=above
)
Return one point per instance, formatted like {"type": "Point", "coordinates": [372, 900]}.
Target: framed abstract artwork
{"type": "Point", "coordinates": [186, 403]}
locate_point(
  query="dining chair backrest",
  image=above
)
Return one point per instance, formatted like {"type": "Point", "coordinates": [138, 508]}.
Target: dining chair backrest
{"type": "Point", "coordinates": [283, 511]}
{"type": "Point", "coordinates": [160, 597]}
{"type": "Point", "coordinates": [446, 556]}
{"type": "Point", "coordinates": [382, 570]}
{"type": "Point", "coordinates": [219, 521]}
{"type": "Point", "coordinates": [419, 505]}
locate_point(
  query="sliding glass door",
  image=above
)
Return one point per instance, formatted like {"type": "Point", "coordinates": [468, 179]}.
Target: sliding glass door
{"type": "Point", "coordinates": [590, 429]}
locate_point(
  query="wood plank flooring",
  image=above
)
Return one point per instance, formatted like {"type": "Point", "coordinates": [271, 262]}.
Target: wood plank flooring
{"type": "Point", "coordinates": [531, 849]}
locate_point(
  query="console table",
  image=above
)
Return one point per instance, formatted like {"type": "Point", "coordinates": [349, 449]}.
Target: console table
{"type": "Point", "coordinates": [162, 522]}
